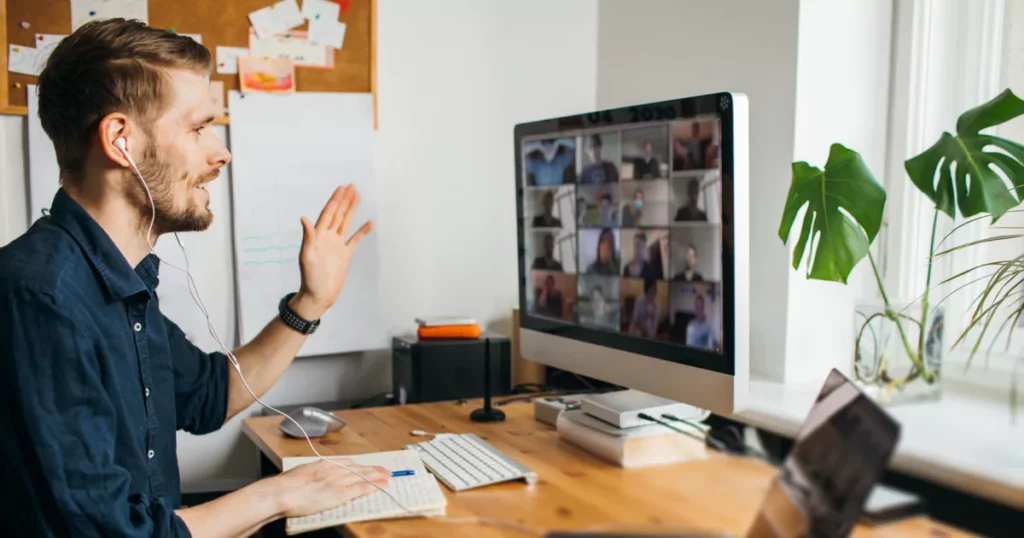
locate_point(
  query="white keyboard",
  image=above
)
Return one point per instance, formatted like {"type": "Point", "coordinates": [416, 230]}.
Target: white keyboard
{"type": "Point", "coordinates": [466, 461]}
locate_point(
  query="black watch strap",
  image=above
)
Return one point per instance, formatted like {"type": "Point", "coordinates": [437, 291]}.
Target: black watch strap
{"type": "Point", "coordinates": [293, 320]}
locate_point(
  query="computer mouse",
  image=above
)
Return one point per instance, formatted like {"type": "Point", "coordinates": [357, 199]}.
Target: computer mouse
{"type": "Point", "coordinates": [316, 422]}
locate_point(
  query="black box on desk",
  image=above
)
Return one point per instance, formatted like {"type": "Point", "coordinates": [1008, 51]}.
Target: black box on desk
{"type": "Point", "coordinates": [428, 370]}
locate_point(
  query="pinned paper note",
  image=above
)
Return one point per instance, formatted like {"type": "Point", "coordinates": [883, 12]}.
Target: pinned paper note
{"type": "Point", "coordinates": [315, 10]}
{"type": "Point", "coordinates": [227, 59]}
{"type": "Point", "coordinates": [288, 14]}
{"type": "Point", "coordinates": [24, 60]}
{"type": "Point", "coordinates": [327, 32]}
{"type": "Point", "coordinates": [277, 18]}
{"type": "Point", "coordinates": [293, 45]}
{"type": "Point", "coordinates": [45, 43]}
{"type": "Point", "coordinates": [217, 96]}
{"type": "Point", "coordinates": [266, 75]}
{"type": "Point", "coordinates": [83, 11]}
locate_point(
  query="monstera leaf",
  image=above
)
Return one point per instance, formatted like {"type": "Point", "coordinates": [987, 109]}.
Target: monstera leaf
{"type": "Point", "coordinates": [973, 186]}
{"type": "Point", "coordinates": [844, 212]}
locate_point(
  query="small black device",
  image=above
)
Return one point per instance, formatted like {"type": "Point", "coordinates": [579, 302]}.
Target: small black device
{"type": "Point", "coordinates": [487, 413]}
{"type": "Point", "coordinates": [293, 320]}
{"type": "Point", "coordinates": [437, 370]}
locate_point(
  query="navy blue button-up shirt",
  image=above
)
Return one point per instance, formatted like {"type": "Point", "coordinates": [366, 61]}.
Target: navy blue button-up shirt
{"type": "Point", "coordinates": [96, 381]}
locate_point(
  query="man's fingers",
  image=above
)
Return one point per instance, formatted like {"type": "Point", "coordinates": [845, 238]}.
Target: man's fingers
{"type": "Point", "coordinates": [327, 213]}
{"type": "Point", "coordinates": [340, 196]}
{"type": "Point", "coordinates": [350, 211]}
{"type": "Point", "coordinates": [360, 234]}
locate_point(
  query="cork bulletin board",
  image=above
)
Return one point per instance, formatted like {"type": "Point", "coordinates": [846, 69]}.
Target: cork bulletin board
{"type": "Point", "coordinates": [220, 23]}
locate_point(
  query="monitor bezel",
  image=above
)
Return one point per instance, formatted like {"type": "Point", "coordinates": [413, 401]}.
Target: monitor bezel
{"type": "Point", "coordinates": [633, 116]}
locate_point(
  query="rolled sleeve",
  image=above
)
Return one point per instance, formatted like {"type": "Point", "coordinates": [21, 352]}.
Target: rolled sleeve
{"type": "Point", "coordinates": [200, 384]}
{"type": "Point", "coordinates": [61, 431]}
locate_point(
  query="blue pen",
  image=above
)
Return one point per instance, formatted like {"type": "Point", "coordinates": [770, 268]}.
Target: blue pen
{"type": "Point", "coordinates": [403, 473]}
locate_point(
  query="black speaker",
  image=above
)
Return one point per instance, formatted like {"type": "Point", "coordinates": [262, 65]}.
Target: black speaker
{"type": "Point", "coordinates": [429, 370]}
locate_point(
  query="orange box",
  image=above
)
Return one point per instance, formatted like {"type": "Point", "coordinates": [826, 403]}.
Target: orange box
{"type": "Point", "coordinates": [449, 331]}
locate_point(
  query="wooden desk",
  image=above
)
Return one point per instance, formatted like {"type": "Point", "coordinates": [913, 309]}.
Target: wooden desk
{"type": "Point", "coordinates": [575, 490]}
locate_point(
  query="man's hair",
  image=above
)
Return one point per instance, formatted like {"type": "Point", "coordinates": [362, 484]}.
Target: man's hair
{"type": "Point", "coordinates": [112, 65]}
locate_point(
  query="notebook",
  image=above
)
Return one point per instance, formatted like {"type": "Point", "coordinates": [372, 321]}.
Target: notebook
{"type": "Point", "coordinates": [419, 492]}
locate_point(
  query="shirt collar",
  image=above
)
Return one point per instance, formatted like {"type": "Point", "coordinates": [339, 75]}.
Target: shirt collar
{"type": "Point", "coordinates": [117, 276]}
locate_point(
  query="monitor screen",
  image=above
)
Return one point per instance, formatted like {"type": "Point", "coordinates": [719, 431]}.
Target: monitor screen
{"type": "Point", "coordinates": [623, 228]}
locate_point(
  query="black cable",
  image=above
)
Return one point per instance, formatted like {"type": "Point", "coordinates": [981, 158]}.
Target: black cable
{"type": "Point", "coordinates": [746, 449]}
{"type": "Point", "coordinates": [704, 439]}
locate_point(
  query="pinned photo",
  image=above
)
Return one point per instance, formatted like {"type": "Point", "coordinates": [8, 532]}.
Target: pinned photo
{"type": "Point", "coordinates": [266, 75]}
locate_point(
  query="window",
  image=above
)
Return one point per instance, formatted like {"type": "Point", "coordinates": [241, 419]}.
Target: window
{"type": "Point", "coordinates": [948, 56]}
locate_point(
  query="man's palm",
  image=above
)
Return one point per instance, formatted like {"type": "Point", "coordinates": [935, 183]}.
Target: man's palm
{"type": "Point", "coordinates": [326, 248]}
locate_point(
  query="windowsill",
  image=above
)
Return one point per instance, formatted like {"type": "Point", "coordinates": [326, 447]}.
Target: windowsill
{"type": "Point", "coordinates": [963, 441]}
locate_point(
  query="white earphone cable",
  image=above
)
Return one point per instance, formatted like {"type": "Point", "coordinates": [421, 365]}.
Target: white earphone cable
{"type": "Point", "coordinates": [194, 292]}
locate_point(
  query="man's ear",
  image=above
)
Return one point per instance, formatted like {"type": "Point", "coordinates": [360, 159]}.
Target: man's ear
{"type": "Point", "coordinates": [112, 127]}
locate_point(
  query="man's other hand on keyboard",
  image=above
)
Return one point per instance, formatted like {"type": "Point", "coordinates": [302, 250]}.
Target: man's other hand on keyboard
{"type": "Point", "coordinates": [314, 487]}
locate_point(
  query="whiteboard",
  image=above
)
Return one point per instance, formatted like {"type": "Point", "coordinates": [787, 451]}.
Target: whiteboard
{"type": "Point", "coordinates": [289, 154]}
{"type": "Point", "coordinates": [209, 252]}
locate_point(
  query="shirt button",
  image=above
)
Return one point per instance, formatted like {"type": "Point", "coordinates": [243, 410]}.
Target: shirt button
{"type": "Point", "coordinates": [151, 454]}
{"type": "Point", "coordinates": [137, 327]}
{"type": "Point", "coordinates": [147, 393]}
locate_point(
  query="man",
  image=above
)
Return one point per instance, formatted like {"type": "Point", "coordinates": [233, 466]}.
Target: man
{"type": "Point", "coordinates": [689, 273]}
{"type": "Point", "coordinates": [553, 164]}
{"type": "Point", "coordinates": [647, 167]}
{"type": "Point", "coordinates": [632, 213]}
{"type": "Point", "coordinates": [547, 261]}
{"type": "Point", "coordinates": [549, 300]}
{"type": "Point", "coordinates": [688, 154]}
{"type": "Point", "coordinates": [639, 266]}
{"type": "Point", "coordinates": [96, 380]}
{"type": "Point", "coordinates": [690, 211]}
{"type": "Point", "coordinates": [698, 332]}
{"type": "Point", "coordinates": [547, 219]}
{"type": "Point", "coordinates": [645, 311]}
{"type": "Point", "coordinates": [599, 170]}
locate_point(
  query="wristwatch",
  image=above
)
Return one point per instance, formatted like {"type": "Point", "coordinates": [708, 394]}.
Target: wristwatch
{"type": "Point", "coordinates": [293, 320]}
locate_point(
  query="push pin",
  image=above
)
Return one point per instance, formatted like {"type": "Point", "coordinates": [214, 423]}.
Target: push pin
{"type": "Point", "coordinates": [17, 85]}
{"type": "Point", "coordinates": [92, 13]}
{"type": "Point", "coordinates": [25, 25]}
{"type": "Point", "coordinates": [40, 38]}
{"type": "Point", "coordinates": [17, 49]}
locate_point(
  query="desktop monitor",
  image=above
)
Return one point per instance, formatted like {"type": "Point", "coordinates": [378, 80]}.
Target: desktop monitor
{"type": "Point", "coordinates": [633, 247]}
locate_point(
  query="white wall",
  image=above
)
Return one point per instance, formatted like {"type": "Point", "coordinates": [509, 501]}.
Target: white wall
{"type": "Point", "coordinates": [661, 49]}
{"type": "Point", "coordinates": [841, 96]}
{"type": "Point", "coordinates": [453, 79]}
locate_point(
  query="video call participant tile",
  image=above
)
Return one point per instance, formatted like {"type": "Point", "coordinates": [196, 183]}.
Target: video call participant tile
{"type": "Point", "coordinates": [600, 253]}
{"type": "Point", "coordinates": [601, 157]}
{"type": "Point", "coordinates": [553, 295]}
{"type": "Point", "coordinates": [696, 198]}
{"type": "Point", "coordinates": [697, 315]}
{"type": "Point", "coordinates": [550, 162]}
{"type": "Point", "coordinates": [694, 145]}
{"type": "Point", "coordinates": [645, 203]}
{"type": "Point", "coordinates": [645, 253]}
{"type": "Point", "coordinates": [600, 205]}
{"type": "Point", "coordinates": [551, 251]}
{"type": "Point", "coordinates": [696, 254]}
{"type": "Point", "coordinates": [645, 153]}
{"type": "Point", "coordinates": [599, 301]}
{"type": "Point", "coordinates": [551, 207]}
{"type": "Point", "coordinates": [645, 308]}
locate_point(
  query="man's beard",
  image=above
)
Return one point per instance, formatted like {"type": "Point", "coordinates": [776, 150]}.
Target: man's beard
{"type": "Point", "coordinates": [162, 180]}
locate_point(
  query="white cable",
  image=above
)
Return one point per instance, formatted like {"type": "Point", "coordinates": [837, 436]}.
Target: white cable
{"type": "Point", "coordinates": [194, 292]}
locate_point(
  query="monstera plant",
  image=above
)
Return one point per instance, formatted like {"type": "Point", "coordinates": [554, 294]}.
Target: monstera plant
{"type": "Point", "coordinates": [968, 175]}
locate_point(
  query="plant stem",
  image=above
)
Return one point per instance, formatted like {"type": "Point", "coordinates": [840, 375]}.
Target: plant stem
{"type": "Point", "coordinates": [914, 357]}
{"type": "Point", "coordinates": [924, 299]}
